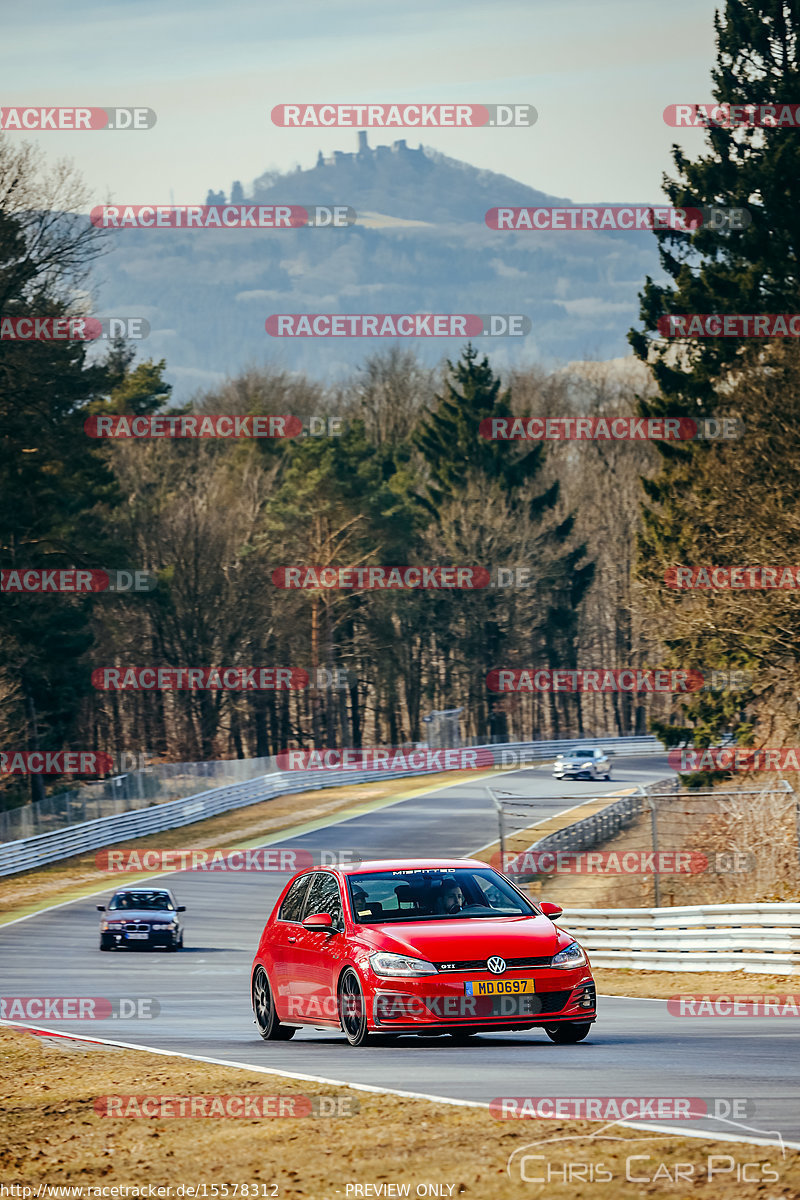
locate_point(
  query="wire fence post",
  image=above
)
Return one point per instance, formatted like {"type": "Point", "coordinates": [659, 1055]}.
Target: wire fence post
{"type": "Point", "coordinates": [652, 801]}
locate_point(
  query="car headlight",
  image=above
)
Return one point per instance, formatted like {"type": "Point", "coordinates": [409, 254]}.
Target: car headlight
{"type": "Point", "coordinates": [571, 956]}
{"type": "Point", "coordinates": [585, 766]}
{"type": "Point", "coordinates": [384, 963]}
{"type": "Point", "coordinates": [171, 925]}
{"type": "Point", "coordinates": [114, 925]}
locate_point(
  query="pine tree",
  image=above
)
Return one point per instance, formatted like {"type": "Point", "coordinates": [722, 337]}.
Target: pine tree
{"type": "Point", "coordinates": [473, 474]}
{"type": "Point", "coordinates": [755, 269]}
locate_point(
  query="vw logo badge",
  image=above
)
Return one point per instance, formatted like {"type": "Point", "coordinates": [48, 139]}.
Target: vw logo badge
{"type": "Point", "coordinates": [496, 965]}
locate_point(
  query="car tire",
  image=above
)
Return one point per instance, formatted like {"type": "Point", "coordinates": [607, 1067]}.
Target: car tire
{"type": "Point", "coordinates": [267, 1021]}
{"type": "Point", "coordinates": [105, 944]}
{"type": "Point", "coordinates": [607, 777]}
{"type": "Point", "coordinates": [462, 1036]}
{"type": "Point", "coordinates": [352, 1008]}
{"type": "Point", "coordinates": [568, 1033]}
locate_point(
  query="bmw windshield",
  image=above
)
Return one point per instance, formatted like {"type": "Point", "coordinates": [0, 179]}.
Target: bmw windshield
{"type": "Point", "coordinates": [158, 901]}
{"type": "Point", "coordinates": [430, 894]}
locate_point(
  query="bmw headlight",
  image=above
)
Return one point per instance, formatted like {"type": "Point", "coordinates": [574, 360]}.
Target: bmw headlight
{"type": "Point", "coordinates": [171, 925]}
{"type": "Point", "coordinates": [384, 963]}
{"type": "Point", "coordinates": [571, 956]}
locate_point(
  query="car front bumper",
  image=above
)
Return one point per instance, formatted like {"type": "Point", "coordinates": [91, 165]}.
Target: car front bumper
{"type": "Point", "coordinates": [436, 1003]}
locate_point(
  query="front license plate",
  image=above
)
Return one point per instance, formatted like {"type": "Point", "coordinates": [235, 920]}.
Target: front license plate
{"type": "Point", "coordinates": [137, 936]}
{"type": "Point", "coordinates": [499, 987]}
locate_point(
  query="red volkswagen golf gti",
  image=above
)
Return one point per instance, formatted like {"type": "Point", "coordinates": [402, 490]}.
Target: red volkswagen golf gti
{"type": "Point", "coordinates": [425, 946]}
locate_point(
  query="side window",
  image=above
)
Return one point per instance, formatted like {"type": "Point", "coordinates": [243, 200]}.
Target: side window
{"type": "Point", "coordinates": [293, 903]}
{"type": "Point", "coordinates": [324, 897]}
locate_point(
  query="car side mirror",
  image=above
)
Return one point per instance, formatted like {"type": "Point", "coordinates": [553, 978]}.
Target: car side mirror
{"type": "Point", "coordinates": [318, 921]}
{"type": "Point", "coordinates": [101, 908]}
{"type": "Point", "coordinates": [181, 908]}
{"type": "Point", "coordinates": [553, 911]}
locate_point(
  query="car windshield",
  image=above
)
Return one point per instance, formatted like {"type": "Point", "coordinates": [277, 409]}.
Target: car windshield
{"type": "Point", "coordinates": [154, 900]}
{"type": "Point", "coordinates": [433, 894]}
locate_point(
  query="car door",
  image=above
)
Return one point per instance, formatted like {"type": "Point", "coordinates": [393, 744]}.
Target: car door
{"type": "Point", "coordinates": [284, 936]}
{"type": "Point", "coordinates": [601, 763]}
{"type": "Point", "coordinates": [320, 952]}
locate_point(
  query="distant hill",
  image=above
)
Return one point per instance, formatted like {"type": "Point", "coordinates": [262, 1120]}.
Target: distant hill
{"type": "Point", "coordinates": [420, 244]}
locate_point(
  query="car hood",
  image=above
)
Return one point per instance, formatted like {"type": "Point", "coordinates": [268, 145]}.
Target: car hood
{"type": "Point", "coordinates": [573, 758]}
{"type": "Point", "coordinates": [468, 938]}
{"type": "Point", "coordinates": [139, 915]}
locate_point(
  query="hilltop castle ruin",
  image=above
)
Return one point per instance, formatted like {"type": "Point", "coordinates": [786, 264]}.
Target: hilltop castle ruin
{"type": "Point", "coordinates": [363, 155]}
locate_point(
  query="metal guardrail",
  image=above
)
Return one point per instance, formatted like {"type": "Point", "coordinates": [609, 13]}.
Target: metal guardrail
{"type": "Point", "coordinates": [583, 834]}
{"type": "Point", "coordinates": [755, 938]}
{"type": "Point", "coordinates": [27, 853]}
{"type": "Point", "coordinates": [140, 788]}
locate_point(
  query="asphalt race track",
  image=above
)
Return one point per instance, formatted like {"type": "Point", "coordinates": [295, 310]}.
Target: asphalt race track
{"type": "Point", "coordinates": [635, 1049]}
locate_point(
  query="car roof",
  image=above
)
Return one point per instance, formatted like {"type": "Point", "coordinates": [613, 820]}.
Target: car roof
{"type": "Point", "coordinates": [416, 864]}
{"type": "Point", "coordinates": [141, 888]}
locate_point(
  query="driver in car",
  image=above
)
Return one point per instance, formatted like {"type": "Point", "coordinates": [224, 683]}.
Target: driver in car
{"type": "Point", "coordinates": [452, 898]}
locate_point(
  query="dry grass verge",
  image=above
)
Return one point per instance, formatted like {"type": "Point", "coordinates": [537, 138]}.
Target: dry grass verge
{"type": "Point", "coordinates": [50, 1133]}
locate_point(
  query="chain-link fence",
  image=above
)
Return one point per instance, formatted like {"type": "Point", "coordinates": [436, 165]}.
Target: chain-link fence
{"type": "Point", "coordinates": [659, 846]}
{"type": "Point", "coordinates": [125, 793]}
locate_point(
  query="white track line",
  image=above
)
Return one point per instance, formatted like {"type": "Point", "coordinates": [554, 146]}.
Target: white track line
{"type": "Point", "coordinates": [705, 1135]}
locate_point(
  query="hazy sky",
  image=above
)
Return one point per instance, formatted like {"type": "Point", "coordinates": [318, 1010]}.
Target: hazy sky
{"type": "Point", "coordinates": [599, 72]}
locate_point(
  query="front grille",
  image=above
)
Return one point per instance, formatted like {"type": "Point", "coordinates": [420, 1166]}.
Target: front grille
{"type": "Point", "coordinates": [134, 928]}
{"type": "Point", "coordinates": [553, 1001]}
{"type": "Point", "coordinates": [508, 1007]}
{"type": "Point", "coordinates": [479, 964]}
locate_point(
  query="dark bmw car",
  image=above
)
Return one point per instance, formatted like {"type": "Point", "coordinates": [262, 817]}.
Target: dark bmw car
{"type": "Point", "coordinates": [140, 916]}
